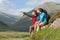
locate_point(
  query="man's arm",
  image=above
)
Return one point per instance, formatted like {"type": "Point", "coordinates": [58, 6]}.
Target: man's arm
{"type": "Point", "coordinates": [26, 14]}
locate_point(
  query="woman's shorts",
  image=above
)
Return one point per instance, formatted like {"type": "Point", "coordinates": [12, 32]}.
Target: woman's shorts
{"type": "Point", "coordinates": [40, 22]}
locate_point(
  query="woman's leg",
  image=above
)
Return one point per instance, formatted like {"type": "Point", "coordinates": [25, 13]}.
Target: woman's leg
{"type": "Point", "coordinates": [37, 27]}
{"type": "Point", "coordinates": [41, 24]}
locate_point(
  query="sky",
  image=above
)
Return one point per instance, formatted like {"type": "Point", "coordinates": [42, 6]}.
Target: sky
{"type": "Point", "coordinates": [13, 7]}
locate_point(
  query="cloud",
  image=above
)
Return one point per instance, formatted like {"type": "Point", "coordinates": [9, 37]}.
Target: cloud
{"type": "Point", "coordinates": [1, 1]}
{"type": "Point", "coordinates": [26, 9]}
{"type": "Point", "coordinates": [34, 3]}
{"type": "Point", "coordinates": [8, 7]}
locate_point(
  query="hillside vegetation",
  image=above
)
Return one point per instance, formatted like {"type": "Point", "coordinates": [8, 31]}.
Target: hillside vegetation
{"type": "Point", "coordinates": [47, 34]}
{"type": "Point", "coordinates": [53, 17]}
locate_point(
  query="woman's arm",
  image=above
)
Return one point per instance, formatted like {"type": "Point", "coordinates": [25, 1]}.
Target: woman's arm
{"type": "Point", "coordinates": [42, 16]}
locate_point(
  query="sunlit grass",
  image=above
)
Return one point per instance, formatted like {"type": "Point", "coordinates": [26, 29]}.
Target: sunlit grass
{"type": "Point", "coordinates": [47, 34]}
{"type": "Point", "coordinates": [13, 35]}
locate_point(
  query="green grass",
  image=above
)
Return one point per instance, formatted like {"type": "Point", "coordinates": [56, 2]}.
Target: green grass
{"type": "Point", "coordinates": [13, 35]}
{"type": "Point", "coordinates": [46, 34]}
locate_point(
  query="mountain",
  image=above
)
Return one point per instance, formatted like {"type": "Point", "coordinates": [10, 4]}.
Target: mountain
{"type": "Point", "coordinates": [8, 19]}
{"type": "Point", "coordinates": [4, 27]}
{"type": "Point", "coordinates": [23, 24]}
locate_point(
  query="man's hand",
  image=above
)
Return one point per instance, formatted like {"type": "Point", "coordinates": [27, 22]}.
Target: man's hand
{"type": "Point", "coordinates": [21, 11]}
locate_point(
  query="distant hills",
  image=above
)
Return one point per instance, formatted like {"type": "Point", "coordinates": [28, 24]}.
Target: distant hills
{"type": "Point", "coordinates": [7, 19]}
{"type": "Point", "coordinates": [4, 27]}
{"type": "Point", "coordinates": [24, 22]}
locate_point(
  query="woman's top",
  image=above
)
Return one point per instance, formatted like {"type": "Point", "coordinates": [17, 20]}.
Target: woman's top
{"type": "Point", "coordinates": [42, 17]}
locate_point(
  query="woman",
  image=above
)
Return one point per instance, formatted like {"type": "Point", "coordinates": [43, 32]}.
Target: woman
{"type": "Point", "coordinates": [42, 19]}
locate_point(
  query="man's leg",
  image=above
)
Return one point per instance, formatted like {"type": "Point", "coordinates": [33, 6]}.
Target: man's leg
{"type": "Point", "coordinates": [35, 26]}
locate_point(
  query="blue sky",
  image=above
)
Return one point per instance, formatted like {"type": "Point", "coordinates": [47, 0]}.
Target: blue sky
{"type": "Point", "coordinates": [19, 3]}
{"type": "Point", "coordinates": [13, 7]}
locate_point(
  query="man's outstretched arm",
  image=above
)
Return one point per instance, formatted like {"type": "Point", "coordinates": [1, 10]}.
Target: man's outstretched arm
{"type": "Point", "coordinates": [26, 14]}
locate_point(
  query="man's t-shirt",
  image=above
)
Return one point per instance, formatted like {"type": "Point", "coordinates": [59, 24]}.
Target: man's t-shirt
{"type": "Point", "coordinates": [34, 19]}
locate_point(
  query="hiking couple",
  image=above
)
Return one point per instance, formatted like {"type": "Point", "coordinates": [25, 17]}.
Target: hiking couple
{"type": "Point", "coordinates": [39, 19]}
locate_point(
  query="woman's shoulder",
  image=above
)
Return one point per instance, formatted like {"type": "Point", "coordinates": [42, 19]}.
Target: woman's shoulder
{"type": "Point", "coordinates": [43, 12]}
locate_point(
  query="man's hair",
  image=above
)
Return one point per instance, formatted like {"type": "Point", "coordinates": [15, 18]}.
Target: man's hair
{"type": "Point", "coordinates": [41, 9]}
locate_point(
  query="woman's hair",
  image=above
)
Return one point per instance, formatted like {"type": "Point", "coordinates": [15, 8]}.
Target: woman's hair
{"type": "Point", "coordinates": [35, 12]}
{"type": "Point", "coordinates": [40, 9]}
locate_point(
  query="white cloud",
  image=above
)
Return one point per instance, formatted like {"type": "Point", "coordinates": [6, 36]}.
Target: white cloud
{"type": "Point", "coordinates": [26, 9]}
{"type": "Point", "coordinates": [1, 1]}
{"type": "Point", "coordinates": [8, 7]}
{"type": "Point", "coordinates": [34, 3]}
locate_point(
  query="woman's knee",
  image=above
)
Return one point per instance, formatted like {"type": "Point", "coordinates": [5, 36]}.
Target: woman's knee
{"type": "Point", "coordinates": [42, 24]}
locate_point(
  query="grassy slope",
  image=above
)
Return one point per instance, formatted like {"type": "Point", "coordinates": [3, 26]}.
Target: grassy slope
{"type": "Point", "coordinates": [47, 34]}
{"type": "Point", "coordinates": [7, 33]}
{"type": "Point", "coordinates": [13, 35]}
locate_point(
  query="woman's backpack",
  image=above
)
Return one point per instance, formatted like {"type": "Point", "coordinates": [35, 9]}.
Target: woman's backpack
{"type": "Point", "coordinates": [48, 16]}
